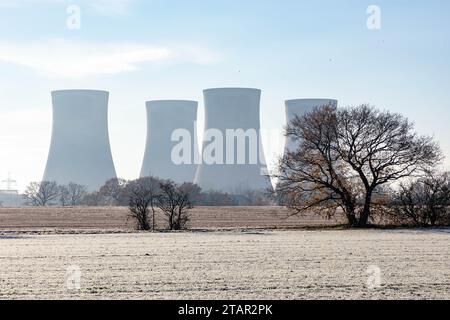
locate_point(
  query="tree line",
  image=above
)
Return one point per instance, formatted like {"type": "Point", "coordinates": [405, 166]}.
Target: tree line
{"type": "Point", "coordinates": [116, 192]}
{"type": "Point", "coordinates": [142, 196]}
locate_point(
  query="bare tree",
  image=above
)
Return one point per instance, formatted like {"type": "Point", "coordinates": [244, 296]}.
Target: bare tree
{"type": "Point", "coordinates": [113, 192]}
{"type": "Point", "coordinates": [313, 178]}
{"type": "Point", "coordinates": [256, 198]}
{"type": "Point", "coordinates": [74, 193]}
{"type": "Point", "coordinates": [216, 199]}
{"type": "Point", "coordinates": [194, 191]}
{"type": "Point", "coordinates": [93, 199]}
{"type": "Point", "coordinates": [42, 193]}
{"type": "Point", "coordinates": [344, 156]}
{"type": "Point", "coordinates": [382, 147]}
{"type": "Point", "coordinates": [175, 204]}
{"type": "Point", "coordinates": [143, 194]}
{"type": "Point", "coordinates": [424, 202]}
{"type": "Point", "coordinates": [64, 196]}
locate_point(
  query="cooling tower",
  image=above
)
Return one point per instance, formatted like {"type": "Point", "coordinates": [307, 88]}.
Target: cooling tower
{"type": "Point", "coordinates": [300, 107]}
{"type": "Point", "coordinates": [165, 121]}
{"type": "Point", "coordinates": [231, 109]}
{"type": "Point", "coordinates": [80, 151]}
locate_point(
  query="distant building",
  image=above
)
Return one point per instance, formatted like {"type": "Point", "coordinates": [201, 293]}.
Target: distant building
{"type": "Point", "coordinates": [164, 118]}
{"type": "Point", "coordinates": [233, 110]}
{"type": "Point", "coordinates": [80, 151]}
{"type": "Point", "coordinates": [10, 197]}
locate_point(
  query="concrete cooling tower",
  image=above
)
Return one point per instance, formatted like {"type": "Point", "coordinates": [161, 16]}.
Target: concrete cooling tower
{"type": "Point", "coordinates": [80, 151]}
{"type": "Point", "coordinates": [300, 107]}
{"type": "Point", "coordinates": [165, 118]}
{"type": "Point", "coordinates": [231, 109]}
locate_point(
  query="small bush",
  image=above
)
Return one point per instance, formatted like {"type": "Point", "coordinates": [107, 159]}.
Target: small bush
{"type": "Point", "coordinates": [424, 202]}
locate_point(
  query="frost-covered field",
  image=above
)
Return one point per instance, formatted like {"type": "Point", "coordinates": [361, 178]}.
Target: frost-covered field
{"type": "Point", "coordinates": [228, 265]}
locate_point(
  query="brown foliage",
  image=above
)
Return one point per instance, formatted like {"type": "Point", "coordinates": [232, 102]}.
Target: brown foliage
{"type": "Point", "coordinates": [344, 157]}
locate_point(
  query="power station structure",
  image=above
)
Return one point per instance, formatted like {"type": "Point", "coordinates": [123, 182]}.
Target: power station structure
{"type": "Point", "coordinates": [172, 147]}
{"type": "Point", "coordinates": [300, 107]}
{"type": "Point", "coordinates": [9, 196]}
{"type": "Point", "coordinates": [80, 151]}
{"type": "Point", "coordinates": [232, 156]}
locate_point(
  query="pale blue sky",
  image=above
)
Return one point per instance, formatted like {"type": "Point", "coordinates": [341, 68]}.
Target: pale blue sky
{"type": "Point", "coordinates": [172, 49]}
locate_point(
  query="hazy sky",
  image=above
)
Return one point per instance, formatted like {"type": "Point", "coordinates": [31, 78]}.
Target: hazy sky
{"type": "Point", "coordinates": [172, 49]}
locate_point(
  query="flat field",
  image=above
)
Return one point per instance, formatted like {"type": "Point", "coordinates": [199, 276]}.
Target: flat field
{"type": "Point", "coordinates": [339, 264]}
{"type": "Point", "coordinates": [116, 218]}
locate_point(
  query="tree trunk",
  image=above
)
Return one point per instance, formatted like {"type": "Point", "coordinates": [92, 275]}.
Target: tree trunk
{"type": "Point", "coordinates": [364, 218]}
{"type": "Point", "coordinates": [351, 215]}
{"type": "Point", "coordinates": [352, 221]}
{"type": "Point", "coordinates": [153, 217]}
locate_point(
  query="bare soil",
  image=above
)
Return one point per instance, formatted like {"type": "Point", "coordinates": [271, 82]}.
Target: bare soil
{"type": "Point", "coordinates": [117, 218]}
